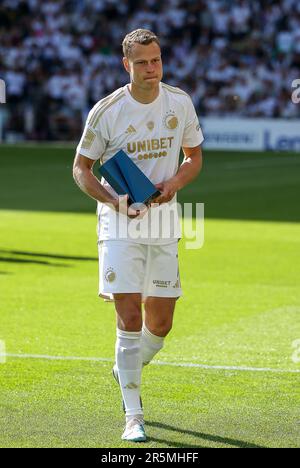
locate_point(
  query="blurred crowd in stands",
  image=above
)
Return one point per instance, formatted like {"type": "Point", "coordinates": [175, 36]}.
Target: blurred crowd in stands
{"type": "Point", "coordinates": [59, 57]}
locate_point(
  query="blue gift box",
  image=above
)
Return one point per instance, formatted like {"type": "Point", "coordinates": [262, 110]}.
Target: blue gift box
{"type": "Point", "coordinates": [124, 176]}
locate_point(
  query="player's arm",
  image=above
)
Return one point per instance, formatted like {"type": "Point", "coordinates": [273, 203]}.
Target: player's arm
{"type": "Point", "coordinates": [190, 167]}
{"type": "Point", "coordinates": [188, 171]}
{"type": "Point", "coordinates": [88, 183]}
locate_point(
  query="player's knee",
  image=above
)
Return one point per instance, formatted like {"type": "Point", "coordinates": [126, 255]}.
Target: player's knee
{"type": "Point", "coordinates": [130, 323]}
{"type": "Point", "coordinates": [162, 328]}
{"type": "Point", "coordinates": [129, 311]}
{"type": "Point", "coordinates": [130, 319]}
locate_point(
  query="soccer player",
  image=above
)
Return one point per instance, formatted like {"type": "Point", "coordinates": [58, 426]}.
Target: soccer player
{"type": "Point", "coordinates": [151, 122]}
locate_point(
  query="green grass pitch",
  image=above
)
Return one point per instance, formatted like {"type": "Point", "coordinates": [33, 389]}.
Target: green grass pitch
{"type": "Point", "coordinates": [240, 310]}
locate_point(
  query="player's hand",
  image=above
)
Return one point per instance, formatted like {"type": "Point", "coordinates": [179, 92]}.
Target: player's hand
{"type": "Point", "coordinates": [137, 210]}
{"type": "Point", "coordinates": [167, 189]}
{"type": "Point", "coordinates": [133, 211]}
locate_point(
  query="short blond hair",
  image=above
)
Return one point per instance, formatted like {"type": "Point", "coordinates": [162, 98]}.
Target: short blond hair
{"type": "Point", "coordinates": [139, 36]}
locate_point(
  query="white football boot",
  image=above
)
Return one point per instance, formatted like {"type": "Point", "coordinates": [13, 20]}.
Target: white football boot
{"type": "Point", "coordinates": [134, 430]}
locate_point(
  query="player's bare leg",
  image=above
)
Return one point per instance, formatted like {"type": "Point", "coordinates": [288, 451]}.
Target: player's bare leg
{"type": "Point", "coordinates": [128, 368]}
{"type": "Point", "coordinates": [159, 312]}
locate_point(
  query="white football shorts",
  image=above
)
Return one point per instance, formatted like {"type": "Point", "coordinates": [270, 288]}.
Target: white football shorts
{"type": "Point", "coordinates": [129, 267]}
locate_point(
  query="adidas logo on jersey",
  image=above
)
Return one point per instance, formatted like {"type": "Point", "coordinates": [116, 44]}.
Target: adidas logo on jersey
{"type": "Point", "coordinates": [130, 129]}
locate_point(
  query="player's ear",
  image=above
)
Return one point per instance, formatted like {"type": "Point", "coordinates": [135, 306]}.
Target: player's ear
{"type": "Point", "coordinates": [126, 64]}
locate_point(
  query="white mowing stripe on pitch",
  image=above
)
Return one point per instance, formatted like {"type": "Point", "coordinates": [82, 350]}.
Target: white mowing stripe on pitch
{"type": "Point", "coordinates": [158, 363]}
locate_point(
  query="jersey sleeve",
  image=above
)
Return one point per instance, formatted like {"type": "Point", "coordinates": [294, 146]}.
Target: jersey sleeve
{"type": "Point", "coordinates": [94, 140]}
{"type": "Point", "coordinates": [192, 135]}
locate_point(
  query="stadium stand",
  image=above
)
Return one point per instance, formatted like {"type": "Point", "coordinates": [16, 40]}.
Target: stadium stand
{"type": "Point", "coordinates": [59, 57]}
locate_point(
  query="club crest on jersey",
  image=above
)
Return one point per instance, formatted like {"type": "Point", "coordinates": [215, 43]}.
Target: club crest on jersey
{"type": "Point", "coordinates": [110, 275]}
{"type": "Point", "coordinates": [150, 125]}
{"type": "Point", "coordinates": [171, 121]}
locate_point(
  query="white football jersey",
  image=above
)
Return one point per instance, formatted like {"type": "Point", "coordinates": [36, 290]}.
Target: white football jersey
{"type": "Point", "coordinates": [152, 136]}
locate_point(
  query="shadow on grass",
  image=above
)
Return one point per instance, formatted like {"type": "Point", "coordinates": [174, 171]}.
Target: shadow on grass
{"type": "Point", "coordinates": [15, 256]}
{"type": "Point", "coordinates": [35, 262]}
{"type": "Point", "coordinates": [198, 435]}
{"type": "Point", "coordinates": [47, 255]}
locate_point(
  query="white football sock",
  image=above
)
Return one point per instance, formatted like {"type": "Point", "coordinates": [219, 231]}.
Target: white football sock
{"type": "Point", "coordinates": [151, 344]}
{"type": "Point", "coordinates": [129, 364]}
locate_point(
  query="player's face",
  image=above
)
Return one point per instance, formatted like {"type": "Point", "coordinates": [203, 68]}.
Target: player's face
{"type": "Point", "coordinates": [144, 65]}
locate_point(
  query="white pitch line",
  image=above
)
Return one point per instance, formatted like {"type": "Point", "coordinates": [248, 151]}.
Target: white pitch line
{"type": "Point", "coordinates": [2, 352]}
{"type": "Point", "coordinates": [158, 363]}
{"type": "Point", "coordinates": [58, 358]}
{"type": "Point", "coordinates": [231, 368]}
